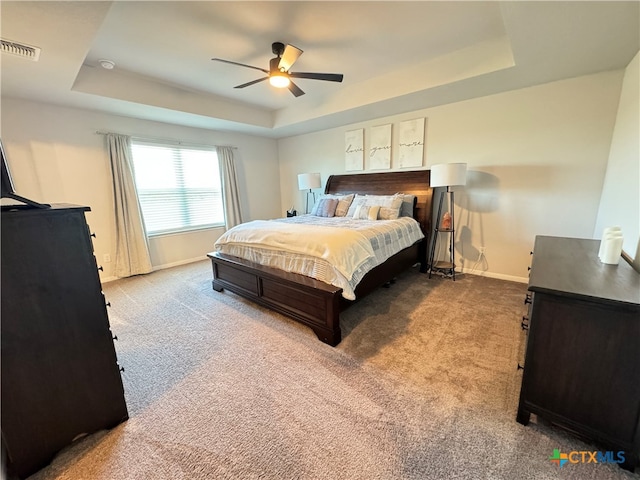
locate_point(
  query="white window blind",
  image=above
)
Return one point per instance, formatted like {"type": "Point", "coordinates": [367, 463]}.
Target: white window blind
{"type": "Point", "coordinates": [179, 187]}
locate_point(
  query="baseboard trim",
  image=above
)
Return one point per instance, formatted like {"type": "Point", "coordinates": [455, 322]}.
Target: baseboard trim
{"type": "Point", "coordinates": [499, 276]}
{"type": "Point", "coordinates": [162, 267]}
{"type": "Point", "coordinates": [181, 262]}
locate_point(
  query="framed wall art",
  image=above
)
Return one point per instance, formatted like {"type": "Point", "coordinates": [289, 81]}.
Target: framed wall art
{"type": "Point", "coordinates": [380, 147]}
{"type": "Point", "coordinates": [354, 150]}
{"type": "Point", "coordinates": [411, 138]}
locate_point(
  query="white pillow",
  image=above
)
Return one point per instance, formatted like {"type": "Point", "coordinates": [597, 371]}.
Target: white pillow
{"type": "Point", "coordinates": [357, 200]}
{"type": "Point", "coordinates": [389, 205]}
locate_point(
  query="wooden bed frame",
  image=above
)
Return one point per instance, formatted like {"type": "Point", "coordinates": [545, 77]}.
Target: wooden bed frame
{"type": "Point", "coordinates": [315, 303]}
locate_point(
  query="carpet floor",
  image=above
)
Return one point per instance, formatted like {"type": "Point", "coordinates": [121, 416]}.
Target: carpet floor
{"type": "Point", "coordinates": [424, 385]}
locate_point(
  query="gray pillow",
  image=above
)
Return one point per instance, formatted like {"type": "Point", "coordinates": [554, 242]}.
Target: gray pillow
{"type": "Point", "coordinates": [327, 207]}
{"type": "Point", "coordinates": [408, 202]}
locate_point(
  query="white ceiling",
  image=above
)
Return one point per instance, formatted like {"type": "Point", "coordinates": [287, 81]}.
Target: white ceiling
{"type": "Point", "coordinates": [395, 56]}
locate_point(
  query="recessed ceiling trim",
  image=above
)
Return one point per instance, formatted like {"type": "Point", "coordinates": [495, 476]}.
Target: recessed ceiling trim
{"type": "Point", "coordinates": [20, 49]}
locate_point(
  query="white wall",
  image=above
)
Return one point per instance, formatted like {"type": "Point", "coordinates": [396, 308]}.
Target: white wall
{"type": "Point", "coordinates": [536, 159]}
{"type": "Point", "coordinates": [620, 203]}
{"type": "Point", "coordinates": [55, 156]}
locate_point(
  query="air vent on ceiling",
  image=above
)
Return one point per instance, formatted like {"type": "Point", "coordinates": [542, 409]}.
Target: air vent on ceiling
{"type": "Point", "coordinates": [20, 50]}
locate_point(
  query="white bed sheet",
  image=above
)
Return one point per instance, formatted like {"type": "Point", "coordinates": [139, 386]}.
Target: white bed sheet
{"type": "Point", "coordinates": [386, 238]}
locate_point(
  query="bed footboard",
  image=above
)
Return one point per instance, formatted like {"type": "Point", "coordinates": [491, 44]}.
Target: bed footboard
{"type": "Point", "coordinates": [308, 301]}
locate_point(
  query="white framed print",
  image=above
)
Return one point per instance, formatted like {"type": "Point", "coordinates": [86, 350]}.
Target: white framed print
{"type": "Point", "coordinates": [354, 150]}
{"type": "Point", "coordinates": [411, 138]}
{"type": "Point", "coordinates": [380, 147]}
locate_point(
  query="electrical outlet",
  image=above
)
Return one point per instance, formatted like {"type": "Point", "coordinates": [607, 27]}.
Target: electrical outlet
{"type": "Point", "coordinates": [106, 258]}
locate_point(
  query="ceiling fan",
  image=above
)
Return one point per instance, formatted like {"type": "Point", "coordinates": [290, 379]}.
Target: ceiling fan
{"type": "Point", "coordinates": [279, 66]}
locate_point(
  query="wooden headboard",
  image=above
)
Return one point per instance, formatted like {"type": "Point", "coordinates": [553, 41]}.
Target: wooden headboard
{"type": "Point", "coordinates": [414, 183]}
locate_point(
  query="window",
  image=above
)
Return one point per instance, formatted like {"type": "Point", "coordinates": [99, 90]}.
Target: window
{"type": "Point", "coordinates": [179, 187]}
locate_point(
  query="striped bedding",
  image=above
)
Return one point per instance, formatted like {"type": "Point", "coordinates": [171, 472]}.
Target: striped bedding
{"type": "Point", "coordinates": [386, 237]}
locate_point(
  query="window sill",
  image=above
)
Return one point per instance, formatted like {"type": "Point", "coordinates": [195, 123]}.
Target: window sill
{"type": "Point", "coordinates": [183, 231]}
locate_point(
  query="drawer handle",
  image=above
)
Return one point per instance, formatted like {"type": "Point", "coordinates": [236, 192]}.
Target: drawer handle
{"type": "Point", "coordinates": [525, 323]}
{"type": "Point", "coordinates": [115, 337]}
{"type": "Point", "coordinates": [93, 235]}
{"type": "Point", "coordinates": [100, 268]}
{"type": "Point", "coordinates": [520, 367]}
{"type": "Point", "coordinates": [121, 368]}
{"type": "Point", "coordinates": [108, 304]}
{"type": "Point", "coordinates": [529, 268]}
{"type": "Point", "coordinates": [527, 299]}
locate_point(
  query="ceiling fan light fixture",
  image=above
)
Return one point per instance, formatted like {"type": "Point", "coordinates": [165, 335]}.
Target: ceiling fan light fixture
{"type": "Point", "coordinates": [279, 74]}
{"type": "Point", "coordinates": [279, 80]}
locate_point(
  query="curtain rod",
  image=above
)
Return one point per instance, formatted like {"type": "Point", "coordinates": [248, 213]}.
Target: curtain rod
{"type": "Point", "coordinates": [164, 140]}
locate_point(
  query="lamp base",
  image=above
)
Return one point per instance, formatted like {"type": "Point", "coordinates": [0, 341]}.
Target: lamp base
{"type": "Point", "coordinates": [306, 210]}
{"type": "Point", "coordinates": [444, 269]}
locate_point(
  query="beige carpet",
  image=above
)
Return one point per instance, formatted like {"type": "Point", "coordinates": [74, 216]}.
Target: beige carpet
{"type": "Point", "coordinates": [424, 385]}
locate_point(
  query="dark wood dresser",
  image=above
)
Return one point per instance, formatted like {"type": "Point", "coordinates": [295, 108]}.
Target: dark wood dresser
{"type": "Point", "coordinates": [60, 377]}
{"type": "Point", "coordinates": [582, 363]}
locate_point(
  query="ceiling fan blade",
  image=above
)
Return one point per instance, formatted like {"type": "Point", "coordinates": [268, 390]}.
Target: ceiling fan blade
{"type": "Point", "coordinates": [289, 57]}
{"type": "Point", "coordinates": [296, 90]}
{"type": "Point", "coordinates": [240, 64]}
{"type": "Point", "coordinates": [251, 83]}
{"type": "Point", "coordinates": [329, 77]}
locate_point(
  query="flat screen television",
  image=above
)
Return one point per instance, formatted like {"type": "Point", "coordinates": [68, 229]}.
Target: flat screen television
{"type": "Point", "coordinates": [8, 190]}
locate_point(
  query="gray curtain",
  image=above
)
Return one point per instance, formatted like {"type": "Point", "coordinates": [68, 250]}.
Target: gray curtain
{"type": "Point", "coordinates": [132, 250]}
{"type": "Point", "coordinates": [230, 195]}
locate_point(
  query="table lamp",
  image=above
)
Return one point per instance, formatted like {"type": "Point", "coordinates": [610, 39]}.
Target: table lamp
{"type": "Point", "coordinates": [309, 181]}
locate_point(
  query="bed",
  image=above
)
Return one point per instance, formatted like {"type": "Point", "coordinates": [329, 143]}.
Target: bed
{"type": "Point", "coordinates": [315, 303]}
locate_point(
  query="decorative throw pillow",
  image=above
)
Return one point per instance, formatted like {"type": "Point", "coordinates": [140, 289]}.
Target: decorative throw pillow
{"type": "Point", "coordinates": [390, 209]}
{"type": "Point", "coordinates": [373, 212]}
{"type": "Point", "coordinates": [389, 205]}
{"type": "Point", "coordinates": [344, 203]}
{"type": "Point", "coordinates": [357, 200]}
{"type": "Point", "coordinates": [326, 207]}
{"type": "Point", "coordinates": [314, 209]}
{"type": "Point", "coordinates": [366, 212]}
{"type": "Point", "coordinates": [408, 203]}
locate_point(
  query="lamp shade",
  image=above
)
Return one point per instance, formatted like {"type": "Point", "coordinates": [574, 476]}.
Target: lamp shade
{"type": "Point", "coordinates": [308, 181]}
{"type": "Point", "coordinates": [448, 174]}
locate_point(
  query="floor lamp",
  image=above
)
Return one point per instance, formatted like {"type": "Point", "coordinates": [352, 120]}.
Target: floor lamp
{"type": "Point", "coordinates": [308, 181]}
{"type": "Point", "coordinates": [446, 175]}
